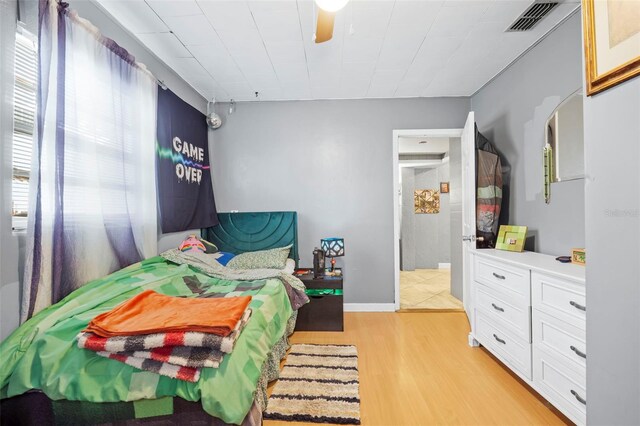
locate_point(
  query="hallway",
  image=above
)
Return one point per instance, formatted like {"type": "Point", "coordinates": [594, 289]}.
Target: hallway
{"type": "Point", "coordinates": [427, 289]}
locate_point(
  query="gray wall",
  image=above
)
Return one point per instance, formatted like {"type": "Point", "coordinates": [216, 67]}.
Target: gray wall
{"type": "Point", "coordinates": [455, 204]}
{"type": "Point", "coordinates": [612, 158]}
{"type": "Point", "coordinates": [432, 230]}
{"type": "Point", "coordinates": [512, 111]}
{"type": "Point", "coordinates": [332, 162]}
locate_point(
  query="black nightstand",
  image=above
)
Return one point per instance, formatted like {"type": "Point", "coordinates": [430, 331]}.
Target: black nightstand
{"type": "Point", "coordinates": [324, 312]}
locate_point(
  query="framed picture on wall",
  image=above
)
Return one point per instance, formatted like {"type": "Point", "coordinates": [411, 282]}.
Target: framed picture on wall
{"type": "Point", "coordinates": [444, 187]}
{"type": "Point", "coordinates": [611, 42]}
{"type": "Point", "coordinates": [426, 201]}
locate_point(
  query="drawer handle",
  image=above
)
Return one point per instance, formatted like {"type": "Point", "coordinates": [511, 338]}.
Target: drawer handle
{"type": "Point", "coordinates": [498, 276]}
{"type": "Point", "coordinates": [497, 308]}
{"type": "Point", "coordinates": [499, 339]}
{"type": "Point", "coordinates": [578, 306]}
{"type": "Point", "coordinates": [580, 399]}
{"type": "Point", "coordinates": [578, 352]}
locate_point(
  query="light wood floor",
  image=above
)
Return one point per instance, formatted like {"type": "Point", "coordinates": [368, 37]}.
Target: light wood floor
{"type": "Point", "coordinates": [417, 369]}
{"type": "Point", "coordinates": [427, 289]}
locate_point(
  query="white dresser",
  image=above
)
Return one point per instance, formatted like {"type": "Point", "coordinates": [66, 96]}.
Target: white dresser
{"type": "Point", "coordinates": [530, 312]}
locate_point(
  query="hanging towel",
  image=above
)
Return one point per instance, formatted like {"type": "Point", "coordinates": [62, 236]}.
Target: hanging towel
{"type": "Point", "coordinates": [489, 190]}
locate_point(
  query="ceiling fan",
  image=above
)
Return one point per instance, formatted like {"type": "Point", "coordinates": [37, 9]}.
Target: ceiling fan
{"type": "Point", "coordinates": [326, 16]}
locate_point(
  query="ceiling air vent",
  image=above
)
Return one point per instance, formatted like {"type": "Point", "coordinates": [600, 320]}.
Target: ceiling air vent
{"type": "Point", "coordinates": [532, 16]}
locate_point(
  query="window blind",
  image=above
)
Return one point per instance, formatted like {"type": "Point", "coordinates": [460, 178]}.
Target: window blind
{"type": "Point", "coordinates": [24, 115]}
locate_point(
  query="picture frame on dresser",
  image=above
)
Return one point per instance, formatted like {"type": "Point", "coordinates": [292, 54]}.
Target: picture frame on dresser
{"type": "Point", "coordinates": [511, 238]}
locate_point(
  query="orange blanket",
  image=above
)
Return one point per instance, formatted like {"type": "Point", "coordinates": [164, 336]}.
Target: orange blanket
{"type": "Point", "coordinates": [151, 312]}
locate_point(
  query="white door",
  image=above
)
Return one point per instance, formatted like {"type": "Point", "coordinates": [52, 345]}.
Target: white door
{"type": "Point", "coordinates": [468, 145]}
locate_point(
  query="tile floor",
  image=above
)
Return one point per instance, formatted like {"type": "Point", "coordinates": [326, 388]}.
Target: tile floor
{"type": "Point", "coordinates": [427, 289]}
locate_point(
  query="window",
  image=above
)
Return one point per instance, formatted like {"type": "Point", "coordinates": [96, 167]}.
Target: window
{"type": "Point", "coordinates": [24, 114]}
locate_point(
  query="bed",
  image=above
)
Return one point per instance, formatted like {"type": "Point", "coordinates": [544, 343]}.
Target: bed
{"type": "Point", "coordinates": [46, 379]}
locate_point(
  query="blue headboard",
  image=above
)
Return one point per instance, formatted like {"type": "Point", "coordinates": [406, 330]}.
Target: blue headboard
{"type": "Point", "coordinates": [242, 232]}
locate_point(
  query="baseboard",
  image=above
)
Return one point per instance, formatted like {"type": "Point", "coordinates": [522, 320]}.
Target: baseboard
{"type": "Point", "coordinates": [444, 266]}
{"type": "Point", "coordinates": [369, 307]}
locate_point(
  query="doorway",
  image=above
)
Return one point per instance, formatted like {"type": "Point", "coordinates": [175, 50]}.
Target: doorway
{"type": "Point", "coordinates": [428, 179]}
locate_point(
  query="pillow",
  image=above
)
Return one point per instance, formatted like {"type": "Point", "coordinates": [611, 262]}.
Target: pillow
{"type": "Point", "coordinates": [290, 266]}
{"type": "Point", "coordinates": [223, 257]}
{"type": "Point", "coordinates": [271, 259]}
{"type": "Point", "coordinates": [191, 243]}
{"type": "Point", "coordinates": [197, 244]}
{"type": "Point", "coordinates": [210, 248]}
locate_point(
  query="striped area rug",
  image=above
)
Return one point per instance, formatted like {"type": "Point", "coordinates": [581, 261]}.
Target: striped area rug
{"type": "Point", "coordinates": [319, 384]}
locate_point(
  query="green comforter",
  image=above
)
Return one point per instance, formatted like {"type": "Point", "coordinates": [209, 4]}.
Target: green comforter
{"type": "Point", "coordinates": [42, 353]}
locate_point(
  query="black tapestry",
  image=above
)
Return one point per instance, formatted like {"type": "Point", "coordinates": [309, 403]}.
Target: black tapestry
{"type": "Point", "coordinates": [185, 192]}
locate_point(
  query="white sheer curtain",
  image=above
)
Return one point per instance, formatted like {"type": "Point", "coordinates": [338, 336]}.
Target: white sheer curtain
{"type": "Point", "coordinates": [93, 190]}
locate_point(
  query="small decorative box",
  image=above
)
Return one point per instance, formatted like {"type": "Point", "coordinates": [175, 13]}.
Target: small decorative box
{"type": "Point", "coordinates": [578, 256]}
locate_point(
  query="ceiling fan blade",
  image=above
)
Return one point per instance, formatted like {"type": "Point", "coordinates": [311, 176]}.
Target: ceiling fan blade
{"type": "Point", "coordinates": [324, 29]}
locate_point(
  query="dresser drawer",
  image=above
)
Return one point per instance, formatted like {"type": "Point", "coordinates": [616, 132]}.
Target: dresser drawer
{"type": "Point", "coordinates": [511, 280]}
{"type": "Point", "coordinates": [504, 308]}
{"type": "Point", "coordinates": [562, 339]}
{"type": "Point", "coordinates": [564, 300]}
{"type": "Point", "coordinates": [560, 385]}
{"type": "Point", "coordinates": [513, 350]}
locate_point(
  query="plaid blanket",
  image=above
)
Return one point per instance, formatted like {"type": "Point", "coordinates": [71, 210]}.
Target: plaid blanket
{"type": "Point", "coordinates": [184, 356]}
{"type": "Point", "coordinates": [179, 355]}
{"type": "Point", "coordinates": [187, 374]}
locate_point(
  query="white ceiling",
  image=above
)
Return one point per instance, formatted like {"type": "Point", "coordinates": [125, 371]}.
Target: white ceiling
{"type": "Point", "coordinates": [413, 145]}
{"type": "Point", "coordinates": [380, 49]}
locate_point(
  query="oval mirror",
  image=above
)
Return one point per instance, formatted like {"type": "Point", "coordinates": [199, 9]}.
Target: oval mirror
{"type": "Point", "coordinates": [564, 136]}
